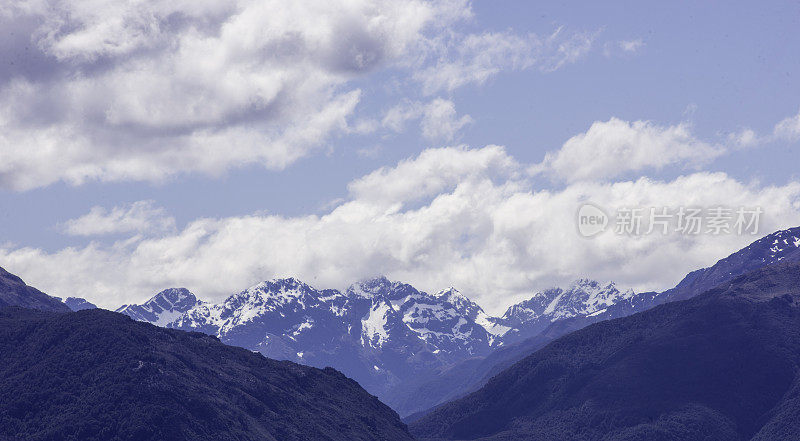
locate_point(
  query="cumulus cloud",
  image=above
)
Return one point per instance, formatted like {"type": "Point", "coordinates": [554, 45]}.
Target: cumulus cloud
{"type": "Point", "coordinates": [138, 217]}
{"type": "Point", "coordinates": [146, 90]}
{"type": "Point", "coordinates": [438, 119]}
{"type": "Point", "coordinates": [788, 129]}
{"type": "Point", "coordinates": [615, 147]}
{"type": "Point", "coordinates": [431, 173]}
{"type": "Point", "coordinates": [450, 216]}
{"type": "Point", "coordinates": [744, 138]}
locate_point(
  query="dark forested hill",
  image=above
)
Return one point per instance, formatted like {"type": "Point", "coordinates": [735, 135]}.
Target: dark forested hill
{"type": "Point", "coordinates": [14, 292]}
{"type": "Point", "coordinates": [468, 376]}
{"type": "Point", "coordinates": [720, 366]}
{"type": "Point", "coordinates": [99, 375]}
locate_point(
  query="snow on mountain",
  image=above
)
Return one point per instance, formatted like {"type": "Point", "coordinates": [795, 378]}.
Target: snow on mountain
{"type": "Point", "coordinates": [374, 325]}
{"type": "Point", "coordinates": [445, 321]}
{"type": "Point", "coordinates": [381, 333]}
{"type": "Point", "coordinates": [162, 308]}
{"type": "Point", "coordinates": [284, 318]}
{"type": "Point", "coordinates": [783, 242]}
{"type": "Point", "coordinates": [583, 297]}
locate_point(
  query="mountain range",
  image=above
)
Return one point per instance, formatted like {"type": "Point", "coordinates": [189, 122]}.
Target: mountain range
{"type": "Point", "coordinates": [723, 365]}
{"type": "Point", "coordinates": [416, 350]}
{"type": "Point", "coordinates": [462, 378]}
{"type": "Point", "coordinates": [386, 335]}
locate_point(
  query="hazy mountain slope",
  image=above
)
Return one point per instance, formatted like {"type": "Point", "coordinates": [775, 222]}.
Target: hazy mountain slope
{"type": "Point", "coordinates": [454, 381]}
{"type": "Point", "coordinates": [722, 365]}
{"type": "Point", "coordinates": [14, 292]}
{"type": "Point", "coordinates": [95, 375]}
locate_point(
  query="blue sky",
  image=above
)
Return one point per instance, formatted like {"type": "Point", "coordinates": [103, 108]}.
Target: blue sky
{"type": "Point", "coordinates": [533, 76]}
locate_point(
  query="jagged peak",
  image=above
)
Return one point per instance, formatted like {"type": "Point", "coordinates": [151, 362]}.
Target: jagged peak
{"type": "Point", "coordinates": [549, 301]}
{"type": "Point", "coordinates": [282, 283]}
{"type": "Point", "coordinates": [590, 283]}
{"type": "Point", "coordinates": [173, 293]}
{"type": "Point", "coordinates": [450, 291]}
{"type": "Point", "coordinates": [369, 288]}
{"type": "Point", "coordinates": [166, 299]}
{"type": "Point", "coordinates": [455, 297]}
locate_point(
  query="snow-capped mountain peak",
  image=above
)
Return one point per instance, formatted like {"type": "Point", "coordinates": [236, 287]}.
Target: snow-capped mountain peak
{"type": "Point", "coordinates": [374, 323]}
{"type": "Point", "coordinates": [163, 307]}
{"type": "Point", "coordinates": [459, 301]}
{"type": "Point", "coordinates": [369, 288]}
{"type": "Point", "coordinates": [583, 297]}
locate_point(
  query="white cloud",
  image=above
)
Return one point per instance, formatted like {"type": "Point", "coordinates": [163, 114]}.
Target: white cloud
{"type": "Point", "coordinates": [457, 216]}
{"type": "Point", "coordinates": [475, 58]}
{"type": "Point", "coordinates": [788, 129]}
{"type": "Point", "coordinates": [631, 46]}
{"type": "Point", "coordinates": [433, 172]}
{"type": "Point", "coordinates": [438, 119]}
{"type": "Point", "coordinates": [147, 90]}
{"type": "Point", "coordinates": [138, 217]}
{"type": "Point", "coordinates": [622, 48]}
{"type": "Point", "coordinates": [744, 138]}
{"type": "Point", "coordinates": [615, 147]}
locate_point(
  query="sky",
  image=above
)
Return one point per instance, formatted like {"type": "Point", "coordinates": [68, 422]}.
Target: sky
{"type": "Point", "coordinates": [213, 145]}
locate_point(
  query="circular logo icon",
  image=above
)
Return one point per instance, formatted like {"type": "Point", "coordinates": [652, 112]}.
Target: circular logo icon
{"type": "Point", "coordinates": [591, 220]}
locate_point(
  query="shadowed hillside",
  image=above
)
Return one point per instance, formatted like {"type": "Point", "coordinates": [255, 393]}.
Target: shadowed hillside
{"type": "Point", "coordinates": [99, 375]}
{"type": "Point", "coordinates": [720, 366]}
{"type": "Point", "coordinates": [14, 292]}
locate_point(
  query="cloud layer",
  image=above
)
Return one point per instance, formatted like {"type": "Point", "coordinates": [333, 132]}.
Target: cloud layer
{"type": "Point", "coordinates": [460, 216]}
{"type": "Point", "coordinates": [138, 217]}
{"type": "Point", "coordinates": [147, 90]}
{"type": "Point", "coordinates": [615, 148]}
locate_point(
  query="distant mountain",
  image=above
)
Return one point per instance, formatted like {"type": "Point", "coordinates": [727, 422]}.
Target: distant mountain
{"type": "Point", "coordinates": [79, 304]}
{"type": "Point", "coordinates": [388, 336]}
{"type": "Point", "coordinates": [468, 376]}
{"type": "Point", "coordinates": [98, 375]}
{"type": "Point", "coordinates": [379, 332]}
{"type": "Point", "coordinates": [781, 246]}
{"type": "Point", "coordinates": [720, 366]}
{"type": "Point", "coordinates": [14, 292]}
{"type": "Point", "coordinates": [584, 298]}
{"type": "Point", "coordinates": [162, 308]}
{"type": "Point", "coordinates": [416, 350]}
